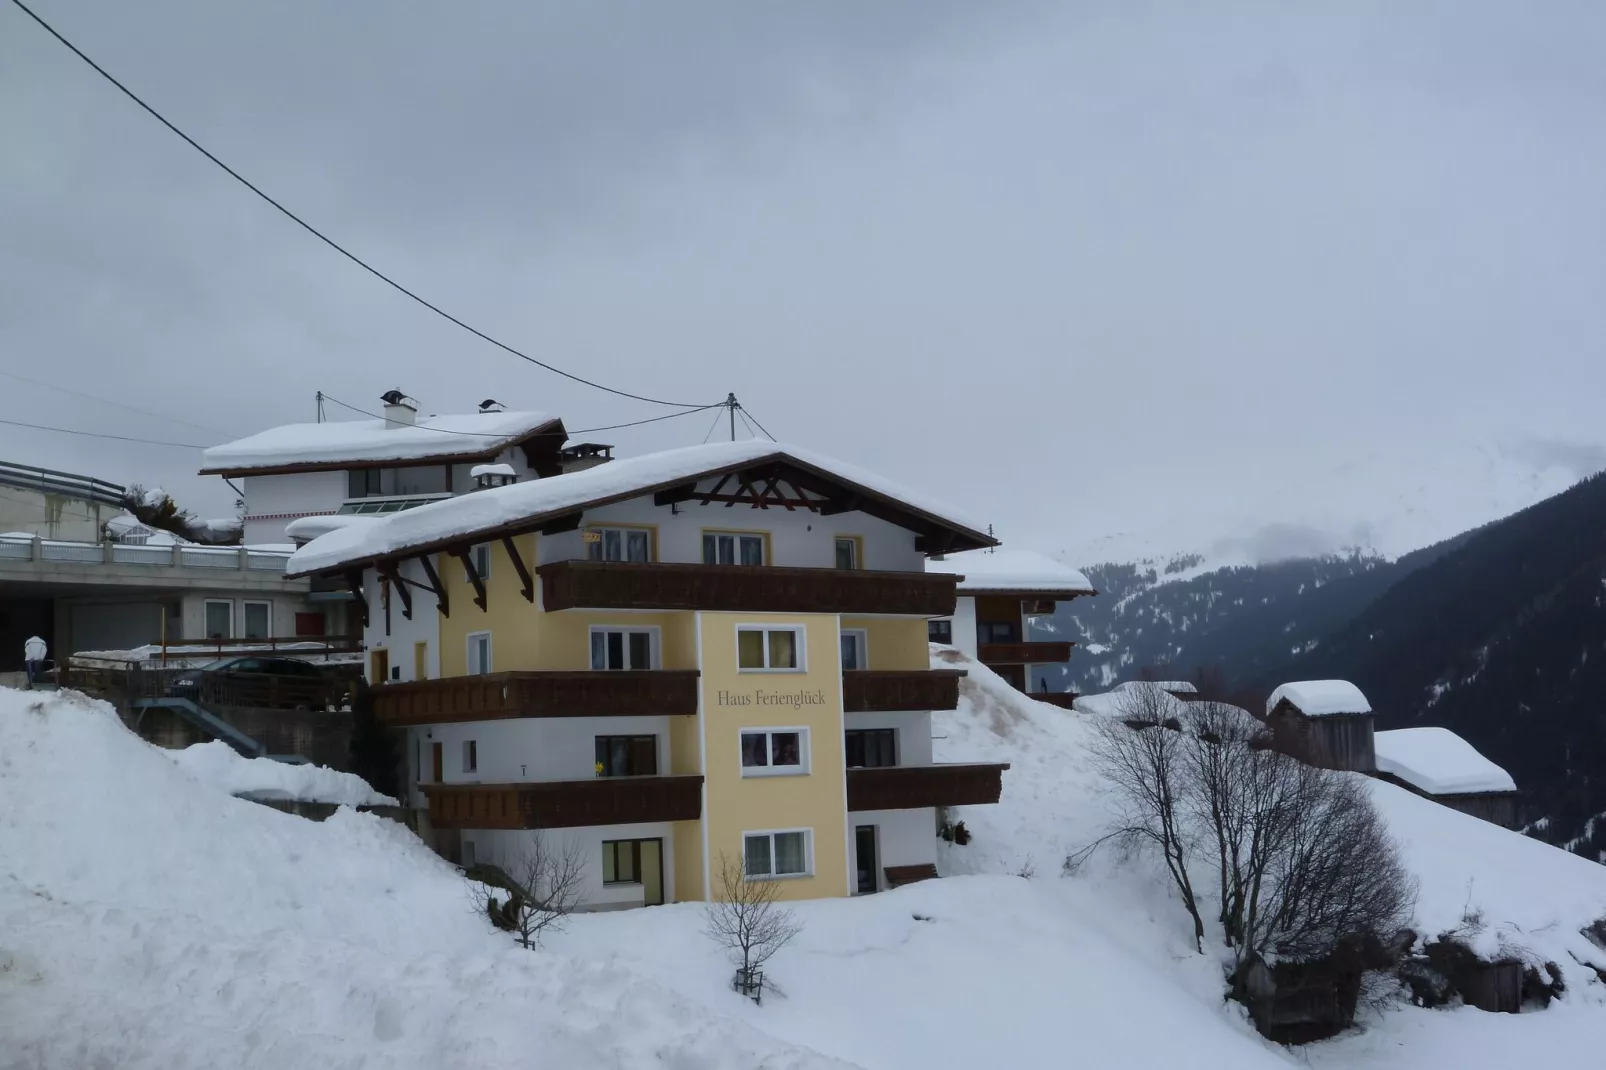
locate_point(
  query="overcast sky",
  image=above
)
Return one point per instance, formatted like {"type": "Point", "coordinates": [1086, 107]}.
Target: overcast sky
{"type": "Point", "coordinates": [1083, 269]}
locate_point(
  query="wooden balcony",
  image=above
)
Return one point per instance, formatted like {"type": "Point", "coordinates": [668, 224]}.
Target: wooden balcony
{"type": "Point", "coordinates": [878, 691]}
{"type": "Point", "coordinates": [537, 694]}
{"type": "Point", "coordinates": [565, 804]}
{"type": "Point", "coordinates": [1023, 653]}
{"type": "Point", "coordinates": [906, 787]}
{"type": "Point", "coordinates": [738, 588]}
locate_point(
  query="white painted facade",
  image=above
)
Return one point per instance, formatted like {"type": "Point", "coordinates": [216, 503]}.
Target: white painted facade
{"type": "Point", "coordinates": [903, 838]}
{"type": "Point", "coordinates": [273, 501]}
{"type": "Point", "coordinates": [912, 742]}
{"type": "Point", "coordinates": [399, 636]}
{"type": "Point", "coordinates": [963, 625]}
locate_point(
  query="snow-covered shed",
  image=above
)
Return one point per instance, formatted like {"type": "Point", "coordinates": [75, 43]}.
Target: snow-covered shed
{"type": "Point", "coordinates": [1181, 690]}
{"type": "Point", "coordinates": [1438, 764]}
{"type": "Point", "coordinates": [1326, 723]}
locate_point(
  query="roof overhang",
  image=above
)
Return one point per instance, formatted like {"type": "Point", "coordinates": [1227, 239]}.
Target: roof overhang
{"type": "Point", "coordinates": [542, 439]}
{"type": "Point", "coordinates": [933, 534]}
{"type": "Point", "coordinates": [1025, 593]}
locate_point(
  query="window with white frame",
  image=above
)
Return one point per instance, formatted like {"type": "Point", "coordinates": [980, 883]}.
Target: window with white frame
{"type": "Point", "coordinates": [849, 551]}
{"type": "Point", "coordinates": [619, 544]}
{"type": "Point", "coordinates": [624, 648]}
{"type": "Point", "coordinates": [479, 653]}
{"type": "Point", "coordinates": [785, 853]}
{"type": "Point", "coordinates": [219, 620]}
{"type": "Point", "coordinates": [471, 756]}
{"type": "Point", "coordinates": [258, 619]}
{"type": "Point", "coordinates": [481, 556]}
{"type": "Point", "coordinates": [855, 642]}
{"type": "Point", "coordinates": [775, 751]}
{"type": "Point", "coordinates": [760, 648]}
{"type": "Point", "coordinates": [732, 548]}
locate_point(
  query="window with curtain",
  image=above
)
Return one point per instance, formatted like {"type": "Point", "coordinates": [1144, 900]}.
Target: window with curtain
{"type": "Point", "coordinates": [620, 544]}
{"type": "Point", "coordinates": [627, 755]}
{"type": "Point", "coordinates": [776, 854]}
{"type": "Point", "coordinates": [621, 648]}
{"type": "Point", "coordinates": [772, 752]}
{"type": "Point", "coordinates": [871, 748]}
{"type": "Point", "coordinates": [722, 548]}
{"type": "Point", "coordinates": [853, 649]}
{"type": "Point", "coordinates": [773, 649]}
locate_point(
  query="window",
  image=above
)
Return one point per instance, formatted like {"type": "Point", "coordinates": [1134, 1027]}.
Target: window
{"type": "Point", "coordinates": [776, 854]}
{"type": "Point", "coordinates": [363, 483]}
{"type": "Point", "coordinates": [621, 861]}
{"type": "Point", "coordinates": [940, 631]}
{"type": "Point", "coordinates": [623, 648]}
{"type": "Point", "coordinates": [394, 482]}
{"type": "Point", "coordinates": [471, 756]}
{"type": "Point", "coordinates": [468, 854]}
{"type": "Point", "coordinates": [481, 556]}
{"type": "Point", "coordinates": [627, 756]}
{"type": "Point", "coordinates": [219, 620]}
{"type": "Point", "coordinates": [732, 549]}
{"type": "Point", "coordinates": [871, 748]}
{"type": "Point", "coordinates": [998, 631]}
{"type": "Point", "coordinates": [848, 552]}
{"type": "Point", "coordinates": [775, 751]}
{"type": "Point", "coordinates": [420, 661]}
{"type": "Point", "coordinates": [854, 641]}
{"type": "Point", "coordinates": [619, 544]}
{"type": "Point", "coordinates": [258, 619]}
{"type": "Point", "coordinates": [769, 649]}
{"type": "Point", "coordinates": [479, 653]}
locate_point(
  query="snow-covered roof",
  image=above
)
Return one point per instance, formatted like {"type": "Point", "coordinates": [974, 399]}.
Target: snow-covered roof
{"type": "Point", "coordinates": [307, 447]}
{"type": "Point", "coordinates": [1124, 702]}
{"type": "Point", "coordinates": [492, 470]}
{"type": "Point", "coordinates": [1438, 762]}
{"type": "Point", "coordinates": [436, 524]}
{"type": "Point", "coordinates": [1321, 698]}
{"type": "Point", "coordinates": [1175, 687]}
{"type": "Point", "coordinates": [1011, 572]}
{"type": "Point", "coordinates": [306, 528]}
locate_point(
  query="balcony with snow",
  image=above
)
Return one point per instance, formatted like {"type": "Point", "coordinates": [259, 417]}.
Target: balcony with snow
{"type": "Point", "coordinates": [1439, 765]}
{"type": "Point", "coordinates": [1325, 723]}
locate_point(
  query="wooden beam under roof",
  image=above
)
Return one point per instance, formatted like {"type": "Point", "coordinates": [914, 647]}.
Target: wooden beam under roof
{"type": "Point", "coordinates": [441, 602]}
{"type": "Point", "coordinates": [527, 580]}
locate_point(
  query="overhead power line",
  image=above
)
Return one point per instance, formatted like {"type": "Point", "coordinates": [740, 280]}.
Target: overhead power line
{"type": "Point", "coordinates": [747, 414]}
{"type": "Point", "coordinates": [336, 246]}
{"type": "Point", "coordinates": [113, 404]}
{"type": "Point", "coordinates": [504, 434]}
{"type": "Point", "coordinates": [97, 434]}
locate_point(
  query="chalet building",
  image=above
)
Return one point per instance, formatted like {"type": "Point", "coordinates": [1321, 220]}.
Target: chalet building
{"type": "Point", "coordinates": [376, 467]}
{"type": "Point", "coordinates": [662, 660]}
{"type": "Point", "coordinates": [999, 590]}
{"type": "Point", "coordinates": [1325, 723]}
{"type": "Point", "coordinates": [1439, 765]}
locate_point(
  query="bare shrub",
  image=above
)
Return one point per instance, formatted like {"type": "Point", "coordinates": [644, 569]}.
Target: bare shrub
{"type": "Point", "coordinates": [745, 918]}
{"type": "Point", "coordinates": [543, 888]}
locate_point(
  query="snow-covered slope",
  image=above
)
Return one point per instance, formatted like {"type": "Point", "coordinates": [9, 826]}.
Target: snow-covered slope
{"type": "Point", "coordinates": [149, 920]}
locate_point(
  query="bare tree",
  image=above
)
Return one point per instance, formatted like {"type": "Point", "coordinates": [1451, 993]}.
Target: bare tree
{"type": "Point", "coordinates": [745, 918]}
{"type": "Point", "coordinates": [1146, 763]}
{"type": "Point", "coordinates": [543, 888]}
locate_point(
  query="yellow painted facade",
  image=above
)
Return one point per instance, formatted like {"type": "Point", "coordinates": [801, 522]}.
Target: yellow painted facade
{"type": "Point", "coordinates": [688, 861]}
{"type": "Point", "coordinates": [893, 642]}
{"type": "Point", "coordinates": [733, 699]}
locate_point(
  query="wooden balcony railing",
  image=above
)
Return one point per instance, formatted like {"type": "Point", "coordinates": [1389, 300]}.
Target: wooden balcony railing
{"type": "Point", "coordinates": [537, 694]}
{"type": "Point", "coordinates": [738, 588]}
{"type": "Point", "coordinates": [565, 804]}
{"type": "Point", "coordinates": [1023, 653]}
{"type": "Point", "coordinates": [1062, 699]}
{"type": "Point", "coordinates": [906, 787]}
{"type": "Point", "coordinates": [876, 691]}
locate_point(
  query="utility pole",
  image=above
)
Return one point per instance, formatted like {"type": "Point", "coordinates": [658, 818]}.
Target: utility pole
{"type": "Point", "coordinates": [320, 406]}
{"type": "Point", "coordinates": [732, 404]}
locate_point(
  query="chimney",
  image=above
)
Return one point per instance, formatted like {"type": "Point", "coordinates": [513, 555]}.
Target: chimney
{"type": "Point", "coordinates": [492, 405]}
{"type": "Point", "coordinates": [584, 455]}
{"type": "Point", "coordinates": [486, 476]}
{"type": "Point", "coordinates": [400, 410]}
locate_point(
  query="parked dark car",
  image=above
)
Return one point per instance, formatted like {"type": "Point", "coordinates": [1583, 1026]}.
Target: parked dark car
{"type": "Point", "coordinates": [188, 684]}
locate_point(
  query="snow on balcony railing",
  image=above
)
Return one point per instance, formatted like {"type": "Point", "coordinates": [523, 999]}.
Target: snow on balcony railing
{"type": "Point", "coordinates": [72, 551]}
{"type": "Point", "coordinates": [21, 547]}
{"type": "Point", "coordinates": [16, 550]}
{"type": "Point", "coordinates": [142, 555]}
{"type": "Point", "coordinates": [266, 561]}
{"type": "Point", "coordinates": [210, 557]}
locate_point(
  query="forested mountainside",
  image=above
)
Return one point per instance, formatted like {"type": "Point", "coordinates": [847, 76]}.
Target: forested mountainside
{"type": "Point", "coordinates": [1503, 640]}
{"type": "Point", "coordinates": [1172, 618]}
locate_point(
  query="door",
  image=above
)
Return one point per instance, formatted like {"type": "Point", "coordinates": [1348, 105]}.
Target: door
{"type": "Point", "coordinates": [864, 856]}
{"type": "Point", "coordinates": [378, 666]}
{"type": "Point", "coordinates": [420, 661]}
{"type": "Point", "coordinates": [437, 761]}
{"type": "Point", "coordinates": [652, 872]}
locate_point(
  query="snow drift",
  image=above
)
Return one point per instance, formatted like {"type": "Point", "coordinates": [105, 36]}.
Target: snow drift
{"type": "Point", "coordinates": [219, 765]}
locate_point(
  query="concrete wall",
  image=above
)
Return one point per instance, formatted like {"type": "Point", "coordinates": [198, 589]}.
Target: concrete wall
{"type": "Point", "coordinates": [52, 516]}
{"type": "Point", "coordinates": [903, 838]}
{"type": "Point", "coordinates": [271, 502]}
{"type": "Point", "coordinates": [282, 612]}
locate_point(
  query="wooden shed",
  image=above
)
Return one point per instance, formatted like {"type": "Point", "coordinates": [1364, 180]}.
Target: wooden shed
{"type": "Point", "coordinates": [1325, 723]}
{"type": "Point", "coordinates": [1439, 765]}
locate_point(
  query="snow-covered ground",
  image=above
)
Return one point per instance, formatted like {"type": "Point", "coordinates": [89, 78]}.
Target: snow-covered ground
{"type": "Point", "coordinates": [219, 765]}
{"type": "Point", "coordinates": [149, 920]}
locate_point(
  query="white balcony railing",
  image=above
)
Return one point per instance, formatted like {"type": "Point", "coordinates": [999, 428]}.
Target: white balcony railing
{"type": "Point", "coordinates": [16, 548]}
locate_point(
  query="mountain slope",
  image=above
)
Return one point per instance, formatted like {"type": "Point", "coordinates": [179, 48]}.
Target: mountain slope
{"type": "Point", "coordinates": [1502, 640]}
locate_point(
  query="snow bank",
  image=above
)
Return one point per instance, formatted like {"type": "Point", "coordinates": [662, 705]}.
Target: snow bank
{"type": "Point", "coordinates": [373, 440]}
{"type": "Point", "coordinates": [1321, 698]}
{"type": "Point", "coordinates": [220, 766]}
{"type": "Point", "coordinates": [149, 922]}
{"type": "Point", "coordinates": [1174, 687]}
{"type": "Point", "coordinates": [1011, 570]}
{"type": "Point", "coordinates": [1438, 761]}
{"type": "Point", "coordinates": [615, 481]}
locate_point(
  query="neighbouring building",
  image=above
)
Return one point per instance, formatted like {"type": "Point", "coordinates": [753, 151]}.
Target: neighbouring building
{"type": "Point", "coordinates": [78, 571]}
{"type": "Point", "coordinates": [999, 590]}
{"type": "Point", "coordinates": [1438, 764]}
{"type": "Point", "coordinates": [1326, 723]}
{"type": "Point", "coordinates": [667, 661]}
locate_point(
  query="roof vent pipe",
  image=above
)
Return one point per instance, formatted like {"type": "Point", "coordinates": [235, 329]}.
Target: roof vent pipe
{"type": "Point", "coordinates": [400, 410]}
